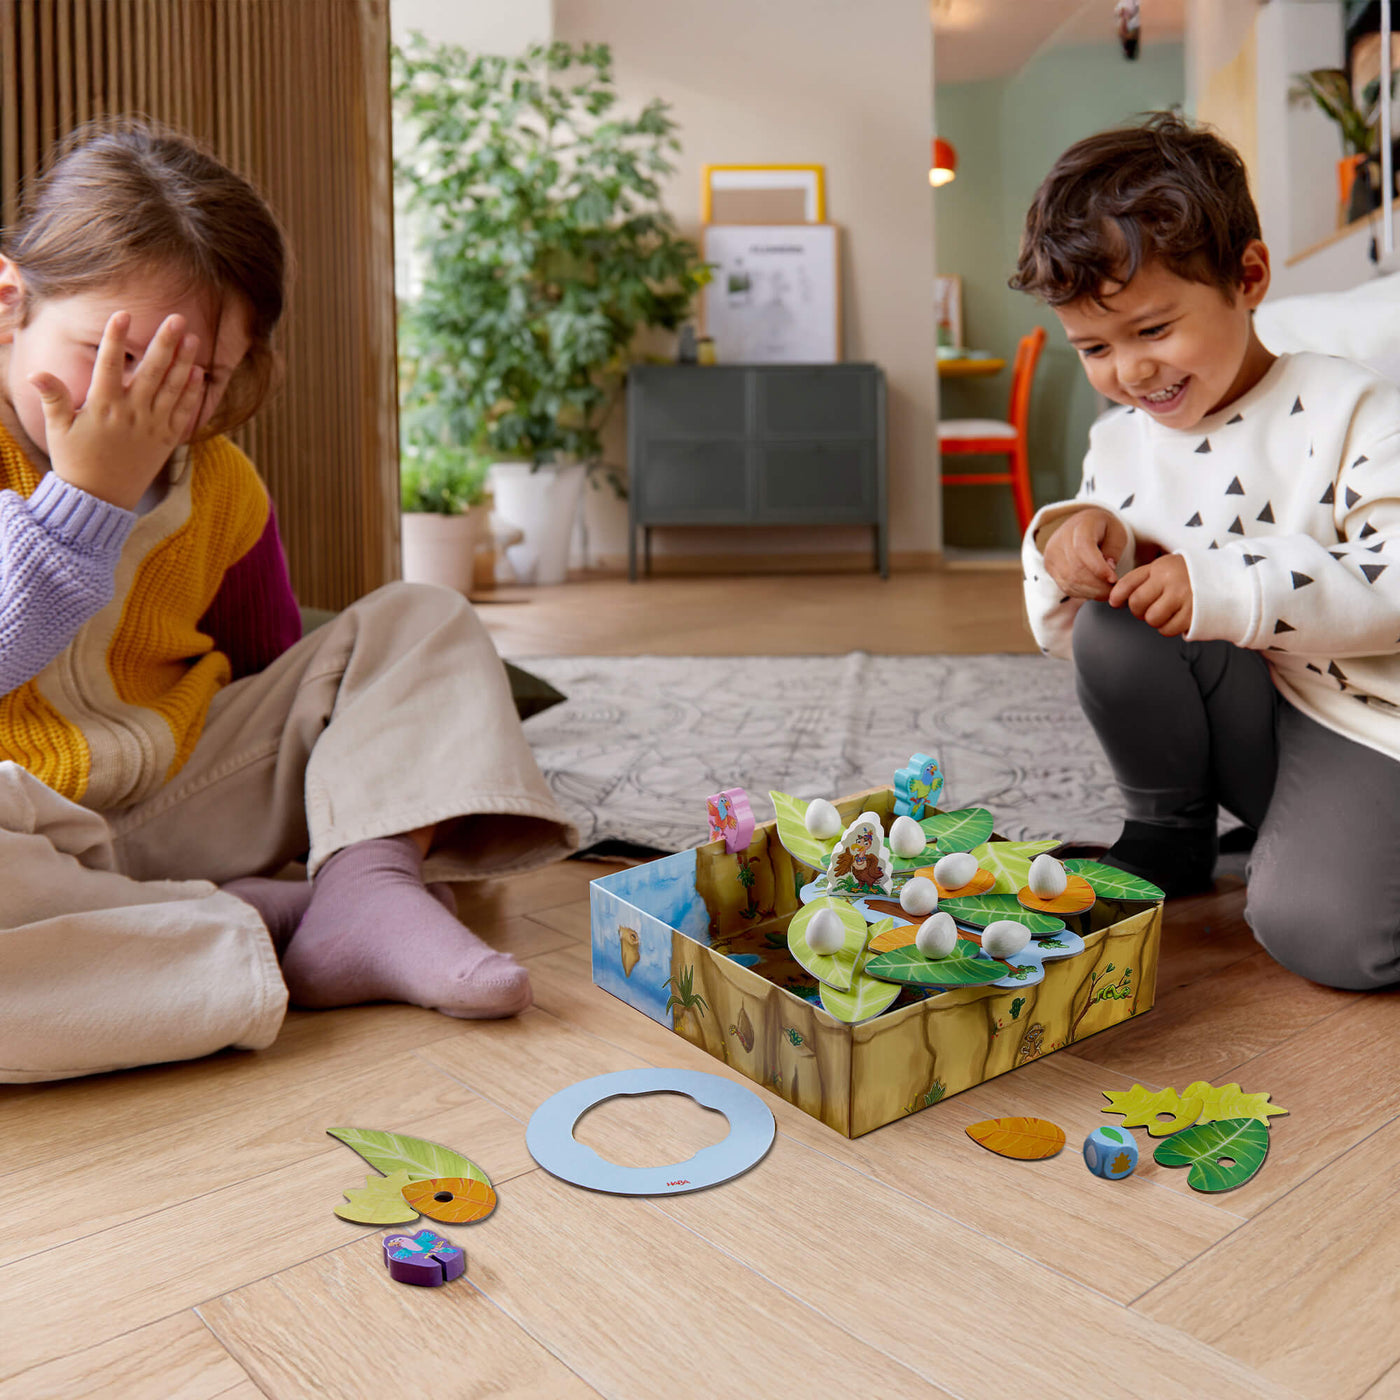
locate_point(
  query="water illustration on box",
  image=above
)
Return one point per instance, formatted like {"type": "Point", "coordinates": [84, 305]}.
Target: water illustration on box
{"type": "Point", "coordinates": [852, 954]}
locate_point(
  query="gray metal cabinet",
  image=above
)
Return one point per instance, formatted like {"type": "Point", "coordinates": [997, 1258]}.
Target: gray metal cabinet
{"type": "Point", "coordinates": [756, 445]}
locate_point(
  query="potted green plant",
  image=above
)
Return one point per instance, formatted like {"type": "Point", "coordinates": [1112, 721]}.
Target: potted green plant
{"type": "Point", "coordinates": [1359, 170]}
{"type": "Point", "coordinates": [446, 512]}
{"type": "Point", "coordinates": [534, 204]}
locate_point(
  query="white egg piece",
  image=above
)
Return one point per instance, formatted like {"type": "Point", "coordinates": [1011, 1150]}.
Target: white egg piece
{"type": "Point", "coordinates": [955, 870]}
{"type": "Point", "coordinates": [825, 932]}
{"type": "Point", "coordinates": [937, 936]}
{"type": "Point", "coordinates": [1047, 879]}
{"type": "Point", "coordinates": [822, 820]}
{"type": "Point", "coordinates": [907, 837]}
{"type": "Point", "coordinates": [1004, 938]}
{"type": "Point", "coordinates": [919, 896]}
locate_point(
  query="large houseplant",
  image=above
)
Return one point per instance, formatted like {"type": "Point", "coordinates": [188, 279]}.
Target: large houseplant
{"type": "Point", "coordinates": [1357, 116]}
{"type": "Point", "coordinates": [534, 205]}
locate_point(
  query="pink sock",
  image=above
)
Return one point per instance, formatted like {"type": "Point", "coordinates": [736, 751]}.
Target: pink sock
{"type": "Point", "coordinates": [282, 903]}
{"type": "Point", "coordinates": [373, 933]}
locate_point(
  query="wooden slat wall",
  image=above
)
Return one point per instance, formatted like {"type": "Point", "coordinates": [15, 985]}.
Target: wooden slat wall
{"type": "Point", "coordinates": [294, 94]}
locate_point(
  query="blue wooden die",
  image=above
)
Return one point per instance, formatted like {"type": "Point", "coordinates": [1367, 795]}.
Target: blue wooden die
{"type": "Point", "coordinates": [427, 1259]}
{"type": "Point", "coordinates": [731, 819]}
{"type": "Point", "coordinates": [1111, 1153]}
{"type": "Point", "coordinates": [917, 787]}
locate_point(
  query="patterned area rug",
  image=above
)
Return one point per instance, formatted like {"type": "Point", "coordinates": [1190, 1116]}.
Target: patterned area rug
{"type": "Point", "coordinates": [642, 741]}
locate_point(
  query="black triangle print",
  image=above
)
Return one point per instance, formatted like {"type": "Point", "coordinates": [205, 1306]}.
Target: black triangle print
{"type": "Point", "coordinates": [1250, 560]}
{"type": "Point", "coordinates": [1237, 528]}
{"type": "Point", "coordinates": [1300, 580]}
{"type": "Point", "coordinates": [1375, 548]}
{"type": "Point", "coordinates": [1365, 699]}
{"type": "Point", "coordinates": [1089, 484]}
{"type": "Point", "coordinates": [1373, 571]}
{"type": "Point", "coordinates": [1367, 530]}
{"type": "Point", "coordinates": [1212, 545]}
{"type": "Point", "coordinates": [1132, 410]}
{"type": "Point", "coordinates": [1311, 667]}
{"type": "Point", "coordinates": [1128, 502]}
{"type": "Point", "coordinates": [1238, 418]}
{"type": "Point", "coordinates": [1267, 514]}
{"type": "Point", "coordinates": [1234, 488]}
{"type": "Point", "coordinates": [1328, 496]}
{"type": "Point", "coordinates": [1334, 670]}
{"type": "Point", "coordinates": [1352, 497]}
{"type": "Point", "coordinates": [1297, 407]}
{"type": "Point", "coordinates": [1362, 458]}
{"type": "Point", "coordinates": [1195, 519]}
{"type": "Point", "coordinates": [1310, 449]}
{"type": "Point", "coordinates": [1205, 445]}
{"type": "Point", "coordinates": [1282, 626]}
{"type": "Point", "coordinates": [1337, 553]}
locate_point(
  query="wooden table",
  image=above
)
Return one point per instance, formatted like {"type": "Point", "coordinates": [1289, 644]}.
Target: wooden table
{"type": "Point", "coordinates": [969, 367]}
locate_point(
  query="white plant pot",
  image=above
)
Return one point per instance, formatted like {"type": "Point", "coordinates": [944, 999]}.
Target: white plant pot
{"type": "Point", "coordinates": [543, 502]}
{"type": "Point", "coordinates": [441, 548]}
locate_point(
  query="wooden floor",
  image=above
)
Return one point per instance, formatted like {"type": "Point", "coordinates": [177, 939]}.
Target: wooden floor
{"type": "Point", "coordinates": [169, 1232]}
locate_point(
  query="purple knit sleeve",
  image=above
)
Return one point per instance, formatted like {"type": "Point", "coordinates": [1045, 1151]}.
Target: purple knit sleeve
{"type": "Point", "coordinates": [58, 561]}
{"type": "Point", "coordinates": [254, 617]}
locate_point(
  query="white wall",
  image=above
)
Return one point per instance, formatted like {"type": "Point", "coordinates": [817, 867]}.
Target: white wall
{"type": "Point", "coordinates": [483, 26]}
{"type": "Point", "coordinates": [805, 81]}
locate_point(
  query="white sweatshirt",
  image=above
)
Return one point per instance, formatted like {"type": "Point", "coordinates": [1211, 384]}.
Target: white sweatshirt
{"type": "Point", "coordinates": [1285, 506]}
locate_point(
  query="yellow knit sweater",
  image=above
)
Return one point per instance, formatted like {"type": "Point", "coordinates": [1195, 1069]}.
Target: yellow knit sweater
{"type": "Point", "coordinates": [118, 711]}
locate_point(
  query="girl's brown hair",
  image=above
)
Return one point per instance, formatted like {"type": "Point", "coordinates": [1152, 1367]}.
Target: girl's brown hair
{"type": "Point", "coordinates": [1164, 189]}
{"type": "Point", "coordinates": [125, 197]}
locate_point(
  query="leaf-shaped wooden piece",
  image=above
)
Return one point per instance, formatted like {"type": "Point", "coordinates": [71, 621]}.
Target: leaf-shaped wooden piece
{"type": "Point", "coordinates": [1227, 1101]}
{"type": "Point", "coordinates": [1077, 896]}
{"type": "Point", "coordinates": [866, 998]}
{"type": "Point", "coordinates": [835, 969]}
{"type": "Point", "coordinates": [979, 910]}
{"type": "Point", "coordinates": [898, 936]}
{"type": "Point", "coordinates": [961, 968]}
{"type": "Point", "coordinates": [455, 1200]}
{"type": "Point", "coordinates": [1010, 862]}
{"type": "Point", "coordinates": [958, 831]}
{"type": "Point", "coordinates": [1221, 1155]}
{"type": "Point", "coordinates": [1026, 1139]}
{"type": "Point", "coordinates": [1141, 1108]}
{"type": "Point", "coordinates": [379, 1201]}
{"type": "Point", "coordinates": [391, 1152]}
{"type": "Point", "coordinates": [1111, 883]}
{"type": "Point", "coordinates": [792, 832]}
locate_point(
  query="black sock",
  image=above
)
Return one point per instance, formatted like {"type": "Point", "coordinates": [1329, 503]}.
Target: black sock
{"type": "Point", "coordinates": [1177, 859]}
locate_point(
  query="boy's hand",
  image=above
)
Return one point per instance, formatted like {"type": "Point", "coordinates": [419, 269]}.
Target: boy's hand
{"type": "Point", "coordinates": [115, 445]}
{"type": "Point", "coordinates": [1159, 593]}
{"type": "Point", "coordinates": [1082, 555]}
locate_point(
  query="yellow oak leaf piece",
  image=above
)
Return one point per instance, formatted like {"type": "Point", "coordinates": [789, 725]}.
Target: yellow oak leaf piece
{"type": "Point", "coordinates": [1142, 1108]}
{"type": "Point", "coordinates": [379, 1201]}
{"type": "Point", "coordinates": [1219, 1101]}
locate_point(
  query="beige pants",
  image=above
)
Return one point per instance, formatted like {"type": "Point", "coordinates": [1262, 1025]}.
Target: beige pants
{"type": "Point", "coordinates": [115, 948]}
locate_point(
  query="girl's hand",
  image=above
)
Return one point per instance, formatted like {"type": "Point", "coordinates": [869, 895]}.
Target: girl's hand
{"type": "Point", "coordinates": [1082, 555]}
{"type": "Point", "coordinates": [1159, 593]}
{"type": "Point", "coordinates": [115, 445]}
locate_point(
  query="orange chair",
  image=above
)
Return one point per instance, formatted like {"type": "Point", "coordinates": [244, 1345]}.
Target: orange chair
{"type": "Point", "coordinates": [980, 435]}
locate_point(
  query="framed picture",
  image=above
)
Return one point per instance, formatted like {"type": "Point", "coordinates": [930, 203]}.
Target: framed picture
{"type": "Point", "coordinates": [763, 194]}
{"type": "Point", "coordinates": [947, 311]}
{"type": "Point", "coordinates": [774, 297]}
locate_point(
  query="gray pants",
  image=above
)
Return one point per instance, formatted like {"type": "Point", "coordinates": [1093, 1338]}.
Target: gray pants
{"type": "Point", "coordinates": [1192, 726]}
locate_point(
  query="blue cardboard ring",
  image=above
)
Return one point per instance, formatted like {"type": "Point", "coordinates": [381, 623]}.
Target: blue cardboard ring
{"type": "Point", "coordinates": [551, 1142]}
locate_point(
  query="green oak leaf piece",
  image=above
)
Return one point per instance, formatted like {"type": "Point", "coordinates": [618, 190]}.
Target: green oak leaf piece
{"type": "Point", "coordinates": [391, 1152]}
{"type": "Point", "coordinates": [961, 968]}
{"type": "Point", "coordinates": [835, 969]}
{"type": "Point", "coordinates": [1243, 1141]}
{"type": "Point", "coordinates": [792, 832]}
{"type": "Point", "coordinates": [979, 910]}
{"type": "Point", "coordinates": [1110, 883]}
{"type": "Point", "coordinates": [1009, 862]}
{"type": "Point", "coordinates": [957, 831]}
{"type": "Point", "coordinates": [378, 1202]}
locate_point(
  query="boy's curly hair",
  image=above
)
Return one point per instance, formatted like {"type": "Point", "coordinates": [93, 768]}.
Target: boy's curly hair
{"type": "Point", "coordinates": [1161, 189]}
